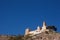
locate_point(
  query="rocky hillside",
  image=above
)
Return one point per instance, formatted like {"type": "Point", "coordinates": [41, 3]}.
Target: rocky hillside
{"type": "Point", "coordinates": [5, 37]}
{"type": "Point", "coordinates": [50, 35]}
{"type": "Point", "coordinates": [45, 36]}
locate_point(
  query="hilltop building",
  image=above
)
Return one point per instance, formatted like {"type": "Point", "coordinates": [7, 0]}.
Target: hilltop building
{"type": "Point", "coordinates": [37, 31]}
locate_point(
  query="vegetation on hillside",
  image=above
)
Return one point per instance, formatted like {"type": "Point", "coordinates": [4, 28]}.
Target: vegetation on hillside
{"type": "Point", "coordinates": [52, 28]}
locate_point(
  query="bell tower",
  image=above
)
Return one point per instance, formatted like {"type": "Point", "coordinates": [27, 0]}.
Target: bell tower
{"type": "Point", "coordinates": [44, 26]}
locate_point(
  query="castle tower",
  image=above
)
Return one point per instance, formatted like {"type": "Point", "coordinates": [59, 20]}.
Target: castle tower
{"type": "Point", "coordinates": [38, 28]}
{"type": "Point", "coordinates": [27, 31]}
{"type": "Point", "coordinates": [44, 26]}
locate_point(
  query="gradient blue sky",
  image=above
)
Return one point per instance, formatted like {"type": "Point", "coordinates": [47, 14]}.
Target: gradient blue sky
{"type": "Point", "coordinates": [17, 15]}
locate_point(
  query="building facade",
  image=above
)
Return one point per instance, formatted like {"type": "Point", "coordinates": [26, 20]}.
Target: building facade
{"type": "Point", "coordinates": [37, 31]}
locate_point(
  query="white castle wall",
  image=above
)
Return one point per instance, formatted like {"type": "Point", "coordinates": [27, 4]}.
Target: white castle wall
{"type": "Point", "coordinates": [37, 31]}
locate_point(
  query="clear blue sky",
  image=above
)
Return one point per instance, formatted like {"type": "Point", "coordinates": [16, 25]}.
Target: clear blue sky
{"type": "Point", "coordinates": [17, 15]}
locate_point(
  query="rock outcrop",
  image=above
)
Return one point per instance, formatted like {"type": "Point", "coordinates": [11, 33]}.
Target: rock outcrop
{"type": "Point", "coordinates": [45, 36]}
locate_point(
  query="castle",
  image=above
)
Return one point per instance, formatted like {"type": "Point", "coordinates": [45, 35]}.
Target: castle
{"type": "Point", "coordinates": [37, 31]}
